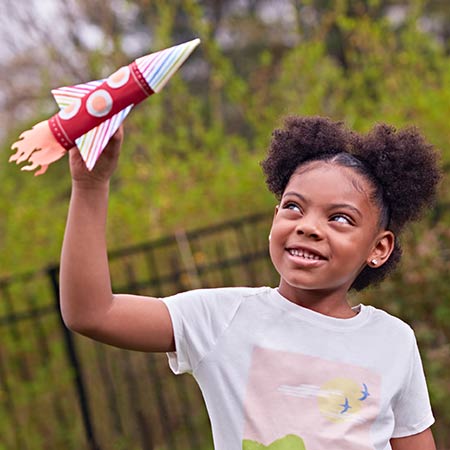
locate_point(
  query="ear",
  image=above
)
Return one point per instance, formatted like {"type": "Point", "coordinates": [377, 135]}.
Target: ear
{"type": "Point", "coordinates": [384, 245]}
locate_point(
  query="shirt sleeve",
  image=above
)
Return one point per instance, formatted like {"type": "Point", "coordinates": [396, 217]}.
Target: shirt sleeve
{"type": "Point", "coordinates": [199, 317]}
{"type": "Point", "coordinates": [412, 411]}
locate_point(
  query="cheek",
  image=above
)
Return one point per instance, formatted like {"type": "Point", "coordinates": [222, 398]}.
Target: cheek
{"type": "Point", "coordinates": [277, 235]}
{"type": "Point", "coordinates": [351, 250]}
{"type": "Point", "coordinates": [276, 256]}
{"type": "Point", "coordinates": [275, 243]}
{"type": "Point", "coordinates": [272, 241]}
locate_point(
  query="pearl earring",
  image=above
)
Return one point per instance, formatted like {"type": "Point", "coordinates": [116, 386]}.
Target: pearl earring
{"type": "Point", "coordinates": [374, 262]}
{"type": "Point", "coordinates": [270, 236]}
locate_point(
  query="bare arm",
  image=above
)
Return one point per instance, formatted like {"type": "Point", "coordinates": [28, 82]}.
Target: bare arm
{"type": "Point", "coordinates": [420, 441]}
{"type": "Point", "coordinates": [88, 304]}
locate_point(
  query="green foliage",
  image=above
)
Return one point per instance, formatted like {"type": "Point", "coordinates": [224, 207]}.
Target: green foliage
{"type": "Point", "coordinates": [191, 153]}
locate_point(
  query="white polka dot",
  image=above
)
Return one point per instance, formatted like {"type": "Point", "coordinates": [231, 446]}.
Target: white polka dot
{"type": "Point", "coordinates": [99, 103]}
{"type": "Point", "coordinates": [119, 77]}
{"type": "Point", "coordinates": [70, 110]}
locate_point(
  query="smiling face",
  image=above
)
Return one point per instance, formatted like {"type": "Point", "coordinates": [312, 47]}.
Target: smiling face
{"type": "Point", "coordinates": [325, 230]}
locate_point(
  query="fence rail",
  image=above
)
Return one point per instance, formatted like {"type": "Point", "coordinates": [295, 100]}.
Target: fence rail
{"type": "Point", "coordinates": [59, 390]}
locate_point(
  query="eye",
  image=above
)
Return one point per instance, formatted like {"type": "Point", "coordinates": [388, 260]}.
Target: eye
{"type": "Point", "coordinates": [341, 218]}
{"type": "Point", "coordinates": [292, 206]}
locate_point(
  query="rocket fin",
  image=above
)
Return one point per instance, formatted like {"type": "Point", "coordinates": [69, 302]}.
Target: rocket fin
{"type": "Point", "coordinates": [68, 95]}
{"type": "Point", "coordinates": [92, 144]}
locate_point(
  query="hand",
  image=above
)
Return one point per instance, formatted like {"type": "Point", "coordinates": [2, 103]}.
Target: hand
{"type": "Point", "coordinates": [103, 169]}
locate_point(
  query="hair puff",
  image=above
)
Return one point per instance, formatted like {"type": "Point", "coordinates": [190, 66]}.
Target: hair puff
{"type": "Point", "coordinates": [407, 168]}
{"type": "Point", "coordinates": [302, 140]}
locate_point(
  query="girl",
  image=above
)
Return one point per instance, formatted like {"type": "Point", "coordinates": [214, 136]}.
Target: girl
{"type": "Point", "coordinates": [293, 367]}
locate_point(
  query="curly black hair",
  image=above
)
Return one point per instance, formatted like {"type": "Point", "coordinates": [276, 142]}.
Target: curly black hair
{"type": "Point", "coordinates": [400, 165]}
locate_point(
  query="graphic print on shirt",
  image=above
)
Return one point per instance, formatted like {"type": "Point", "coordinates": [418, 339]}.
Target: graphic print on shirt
{"type": "Point", "coordinates": [289, 442]}
{"type": "Point", "coordinates": [300, 402]}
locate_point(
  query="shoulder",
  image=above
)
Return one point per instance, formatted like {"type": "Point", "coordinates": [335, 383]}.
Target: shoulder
{"type": "Point", "coordinates": [392, 326]}
{"type": "Point", "coordinates": [214, 299]}
{"type": "Point", "coordinates": [220, 293]}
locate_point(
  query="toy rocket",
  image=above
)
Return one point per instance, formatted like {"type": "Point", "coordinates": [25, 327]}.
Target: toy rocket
{"type": "Point", "coordinates": [91, 113]}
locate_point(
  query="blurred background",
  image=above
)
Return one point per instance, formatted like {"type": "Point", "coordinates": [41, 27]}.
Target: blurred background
{"type": "Point", "coordinates": [189, 206]}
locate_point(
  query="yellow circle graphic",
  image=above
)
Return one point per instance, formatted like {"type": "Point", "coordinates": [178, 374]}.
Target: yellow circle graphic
{"type": "Point", "coordinates": [341, 399]}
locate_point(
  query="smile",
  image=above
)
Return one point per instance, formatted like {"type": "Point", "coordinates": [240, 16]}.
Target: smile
{"type": "Point", "coordinates": [303, 253]}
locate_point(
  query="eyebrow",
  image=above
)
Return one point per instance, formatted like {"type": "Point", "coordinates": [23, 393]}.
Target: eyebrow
{"type": "Point", "coordinates": [332, 206]}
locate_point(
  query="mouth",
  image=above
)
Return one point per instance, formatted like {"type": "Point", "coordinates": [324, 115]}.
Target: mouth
{"type": "Point", "coordinates": [304, 253]}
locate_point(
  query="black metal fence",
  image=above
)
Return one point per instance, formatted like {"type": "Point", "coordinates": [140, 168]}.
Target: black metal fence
{"type": "Point", "coordinates": [58, 390]}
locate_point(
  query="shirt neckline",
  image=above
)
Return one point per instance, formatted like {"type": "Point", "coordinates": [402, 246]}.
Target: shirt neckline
{"type": "Point", "coordinates": [323, 320]}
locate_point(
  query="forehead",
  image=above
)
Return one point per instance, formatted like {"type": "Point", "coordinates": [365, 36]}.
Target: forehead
{"type": "Point", "coordinates": [331, 182]}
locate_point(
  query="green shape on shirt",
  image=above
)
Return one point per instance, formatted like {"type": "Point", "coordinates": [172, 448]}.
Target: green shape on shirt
{"type": "Point", "coordinates": [289, 442]}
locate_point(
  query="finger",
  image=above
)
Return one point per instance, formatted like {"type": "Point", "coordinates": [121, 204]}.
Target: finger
{"type": "Point", "coordinates": [118, 135]}
{"type": "Point", "coordinates": [115, 142]}
{"type": "Point", "coordinates": [74, 155]}
{"type": "Point", "coordinates": [117, 138]}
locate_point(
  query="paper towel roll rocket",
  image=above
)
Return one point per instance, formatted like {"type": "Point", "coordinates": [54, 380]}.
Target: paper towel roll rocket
{"type": "Point", "coordinates": [90, 113]}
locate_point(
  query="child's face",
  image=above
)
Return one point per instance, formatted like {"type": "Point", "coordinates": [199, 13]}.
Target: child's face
{"type": "Point", "coordinates": [325, 230]}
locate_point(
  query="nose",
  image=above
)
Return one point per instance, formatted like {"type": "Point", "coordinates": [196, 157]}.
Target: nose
{"type": "Point", "coordinates": [309, 228]}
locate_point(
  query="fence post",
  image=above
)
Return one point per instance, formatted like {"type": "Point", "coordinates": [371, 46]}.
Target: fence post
{"type": "Point", "coordinates": [75, 363]}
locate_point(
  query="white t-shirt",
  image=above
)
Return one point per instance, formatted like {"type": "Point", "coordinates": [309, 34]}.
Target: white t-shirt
{"type": "Point", "coordinates": [278, 375]}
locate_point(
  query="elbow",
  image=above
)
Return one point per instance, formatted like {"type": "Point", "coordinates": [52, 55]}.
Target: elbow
{"type": "Point", "coordinates": [80, 323]}
{"type": "Point", "coordinates": [75, 324]}
{"type": "Point", "coordinates": [84, 315]}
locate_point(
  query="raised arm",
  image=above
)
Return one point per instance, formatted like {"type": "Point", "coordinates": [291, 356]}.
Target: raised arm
{"type": "Point", "coordinates": [88, 304]}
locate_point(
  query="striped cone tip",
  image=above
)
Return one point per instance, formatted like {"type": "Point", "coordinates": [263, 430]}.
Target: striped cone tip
{"type": "Point", "coordinates": [157, 68]}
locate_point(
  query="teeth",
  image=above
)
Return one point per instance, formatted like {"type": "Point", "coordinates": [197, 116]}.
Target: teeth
{"type": "Point", "coordinates": [303, 253]}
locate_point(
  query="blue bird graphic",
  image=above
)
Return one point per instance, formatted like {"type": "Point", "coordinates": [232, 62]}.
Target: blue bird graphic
{"type": "Point", "coordinates": [365, 393]}
{"type": "Point", "coordinates": [346, 406]}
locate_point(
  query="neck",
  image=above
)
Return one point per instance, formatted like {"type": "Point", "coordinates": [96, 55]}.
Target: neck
{"type": "Point", "coordinates": [333, 304]}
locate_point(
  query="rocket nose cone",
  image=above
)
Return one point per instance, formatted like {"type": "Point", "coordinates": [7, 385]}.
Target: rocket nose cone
{"type": "Point", "coordinates": [157, 68]}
